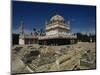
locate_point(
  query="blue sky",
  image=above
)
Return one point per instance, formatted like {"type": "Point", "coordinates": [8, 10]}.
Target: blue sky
{"type": "Point", "coordinates": [34, 15]}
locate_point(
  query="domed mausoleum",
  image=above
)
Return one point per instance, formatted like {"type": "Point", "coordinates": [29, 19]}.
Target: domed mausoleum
{"type": "Point", "coordinates": [57, 26]}
{"type": "Point", "coordinates": [58, 32]}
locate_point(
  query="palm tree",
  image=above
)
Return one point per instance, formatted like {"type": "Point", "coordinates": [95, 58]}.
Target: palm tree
{"type": "Point", "coordinates": [34, 29]}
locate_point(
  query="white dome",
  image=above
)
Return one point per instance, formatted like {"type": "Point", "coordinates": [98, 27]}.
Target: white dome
{"type": "Point", "coordinates": [57, 17]}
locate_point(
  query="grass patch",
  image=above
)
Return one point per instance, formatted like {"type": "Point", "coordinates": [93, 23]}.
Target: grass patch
{"type": "Point", "coordinates": [82, 63]}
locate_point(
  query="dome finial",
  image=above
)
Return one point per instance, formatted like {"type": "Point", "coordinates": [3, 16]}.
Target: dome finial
{"type": "Point", "coordinates": [55, 13]}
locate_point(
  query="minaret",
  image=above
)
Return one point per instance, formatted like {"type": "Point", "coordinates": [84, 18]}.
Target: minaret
{"type": "Point", "coordinates": [68, 25]}
{"type": "Point", "coordinates": [90, 38]}
{"type": "Point", "coordinates": [46, 25]}
{"type": "Point", "coordinates": [46, 22]}
{"type": "Point", "coordinates": [21, 36]}
{"type": "Point", "coordinates": [21, 28]}
{"type": "Point", "coordinates": [68, 22]}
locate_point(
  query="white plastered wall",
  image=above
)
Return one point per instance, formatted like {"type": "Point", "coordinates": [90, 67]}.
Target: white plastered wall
{"type": "Point", "coordinates": [21, 41]}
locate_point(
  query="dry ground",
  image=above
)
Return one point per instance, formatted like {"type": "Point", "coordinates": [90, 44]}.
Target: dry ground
{"type": "Point", "coordinates": [40, 58]}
